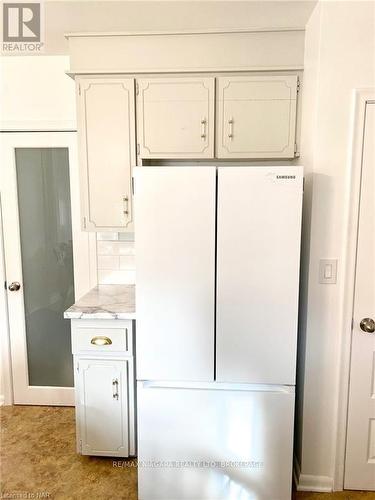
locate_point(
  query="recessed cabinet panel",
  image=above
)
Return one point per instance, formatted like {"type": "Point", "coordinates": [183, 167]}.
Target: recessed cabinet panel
{"type": "Point", "coordinates": [258, 258]}
{"type": "Point", "coordinates": [102, 387]}
{"type": "Point", "coordinates": [107, 149]}
{"type": "Point", "coordinates": [256, 116]}
{"type": "Point", "coordinates": [176, 117]}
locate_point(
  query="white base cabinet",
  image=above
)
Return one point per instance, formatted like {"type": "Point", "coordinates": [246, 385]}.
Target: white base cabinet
{"type": "Point", "coordinates": [104, 384]}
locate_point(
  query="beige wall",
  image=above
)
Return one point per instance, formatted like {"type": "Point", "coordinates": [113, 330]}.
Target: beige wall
{"type": "Point", "coordinates": [36, 94]}
{"type": "Point", "coordinates": [339, 57]}
{"type": "Point", "coordinates": [102, 16]}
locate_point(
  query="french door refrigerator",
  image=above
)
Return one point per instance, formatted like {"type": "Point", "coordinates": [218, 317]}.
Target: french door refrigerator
{"type": "Point", "coordinates": [217, 253]}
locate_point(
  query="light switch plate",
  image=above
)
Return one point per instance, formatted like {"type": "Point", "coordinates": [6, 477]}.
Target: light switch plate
{"type": "Point", "coordinates": [328, 271]}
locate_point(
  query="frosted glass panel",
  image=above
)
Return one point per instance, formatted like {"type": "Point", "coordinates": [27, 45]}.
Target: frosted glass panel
{"type": "Point", "coordinates": [47, 262]}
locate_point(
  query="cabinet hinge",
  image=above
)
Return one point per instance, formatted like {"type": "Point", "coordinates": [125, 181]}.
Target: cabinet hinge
{"type": "Point", "coordinates": [138, 149]}
{"type": "Point", "coordinates": [84, 223]}
{"type": "Point", "coordinates": [79, 89]}
{"type": "Point", "coordinates": [77, 367]}
{"type": "Point", "coordinates": [295, 149]}
{"type": "Point", "coordinates": [133, 185]}
{"type": "Point", "coordinates": [80, 445]}
{"type": "Point", "coordinates": [136, 88]}
{"type": "Point", "coordinates": [298, 85]}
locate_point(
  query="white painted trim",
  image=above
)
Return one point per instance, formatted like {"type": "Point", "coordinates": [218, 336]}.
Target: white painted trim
{"type": "Point", "coordinates": [136, 72]}
{"type": "Point", "coordinates": [360, 98]}
{"type": "Point", "coordinates": [42, 395]}
{"type": "Point", "coordinates": [37, 126]}
{"type": "Point", "coordinates": [224, 51]}
{"type": "Point", "coordinates": [307, 482]}
{"type": "Point", "coordinates": [183, 32]}
{"type": "Point", "coordinates": [296, 471]}
{"type": "Point", "coordinates": [6, 385]}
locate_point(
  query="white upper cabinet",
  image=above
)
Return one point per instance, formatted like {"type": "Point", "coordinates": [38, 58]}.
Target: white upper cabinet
{"type": "Point", "coordinates": [106, 127]}
{"type": "Point", "coordinates": [256, 116]}
{"type": "Point", "coordinates": [176, 117]}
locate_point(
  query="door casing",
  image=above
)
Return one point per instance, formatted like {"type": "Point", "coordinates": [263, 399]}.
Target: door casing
{"type": "Point", "coordinates": [361, 97]}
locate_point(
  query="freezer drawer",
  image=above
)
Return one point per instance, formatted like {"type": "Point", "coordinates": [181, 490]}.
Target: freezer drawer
{"type": "Point", "coordinates": [214, 441]}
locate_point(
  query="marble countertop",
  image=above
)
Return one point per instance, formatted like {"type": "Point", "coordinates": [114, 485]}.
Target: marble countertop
{"type": "Point", "coordinates": [105, 302]}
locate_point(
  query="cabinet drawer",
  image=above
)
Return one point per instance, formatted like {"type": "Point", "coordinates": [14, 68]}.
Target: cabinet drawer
{"type": "Point", "coordinates": [101, 340]}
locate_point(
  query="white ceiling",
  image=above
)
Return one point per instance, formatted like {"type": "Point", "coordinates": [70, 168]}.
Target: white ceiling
{"type": "Point", "coordinates": [108, 15]}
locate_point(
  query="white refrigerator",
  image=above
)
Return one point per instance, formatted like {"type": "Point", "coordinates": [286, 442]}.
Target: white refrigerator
{"type": "Point", "coordinates": [218, 253]}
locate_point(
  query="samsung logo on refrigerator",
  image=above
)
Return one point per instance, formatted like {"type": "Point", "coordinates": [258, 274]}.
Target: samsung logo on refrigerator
{"type": "Point", "coordinates": [282, 179]}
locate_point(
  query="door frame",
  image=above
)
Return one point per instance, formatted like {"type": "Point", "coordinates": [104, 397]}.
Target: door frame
{"type": "Point", "coordinates": [84, 263]}
{"type": "Point", "coordinates": [361, 98]}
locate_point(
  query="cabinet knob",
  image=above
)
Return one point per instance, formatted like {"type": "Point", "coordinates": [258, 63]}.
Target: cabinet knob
{"type": "Point", "coordinates": [100, 340]}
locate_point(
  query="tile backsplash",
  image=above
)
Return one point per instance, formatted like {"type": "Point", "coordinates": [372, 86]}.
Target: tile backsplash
{"type": "Point", "coordinates": [116, 258]}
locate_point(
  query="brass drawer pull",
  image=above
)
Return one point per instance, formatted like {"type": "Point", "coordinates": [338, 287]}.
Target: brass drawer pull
{"type": "Point", "coordinates": [101, 340]}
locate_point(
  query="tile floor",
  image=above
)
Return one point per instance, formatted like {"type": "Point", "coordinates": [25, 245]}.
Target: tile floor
{"type": "Point", "coordinates": [38, 460]}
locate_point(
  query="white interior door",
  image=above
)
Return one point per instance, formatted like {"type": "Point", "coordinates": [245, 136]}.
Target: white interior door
{"type": "Point", "coordinates": [360, 446]}
{"type": "Point", "coordinates": [175, 254]}
{"type": "Point", "coordinates": [43, 246]}
{"type": "Point", "coordinates": [258, 248]}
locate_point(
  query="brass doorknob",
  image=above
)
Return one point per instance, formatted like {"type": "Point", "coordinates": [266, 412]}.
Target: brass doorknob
{"type": "Point", "coordinates": [14, 287]}
{"type": "Point", "coordinates": [367, 325]}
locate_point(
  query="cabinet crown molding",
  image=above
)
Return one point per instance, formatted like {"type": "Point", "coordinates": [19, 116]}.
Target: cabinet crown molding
{"type": "Point", "coordinates": [253, 49]}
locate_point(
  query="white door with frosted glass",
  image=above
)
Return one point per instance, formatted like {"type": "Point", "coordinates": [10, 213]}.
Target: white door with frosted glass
{"type": "Point", "coordinates": [360, 446]}
{"type": "Point", "coordinates": [47, 261]}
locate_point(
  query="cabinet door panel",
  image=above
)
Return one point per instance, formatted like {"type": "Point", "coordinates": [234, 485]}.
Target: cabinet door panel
{"type": "Point", "coordinates": [256, 117]}
{"type": "Point", "coordinates": [176, 117]}
{"type": "Point", "coordinates": [107, 146]}
{"type": "Point", "coordinates": [175, 252]}
{"type": "Point", "coordinates": [258, 241]}
{"type": "Point", "coordinates": [103, 417]}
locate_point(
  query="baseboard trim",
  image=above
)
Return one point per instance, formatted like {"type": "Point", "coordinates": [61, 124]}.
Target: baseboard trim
{"type": "Point", "coordinates": [308, 482]}
{"type": "Point", "coordinates": [2, 399]}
